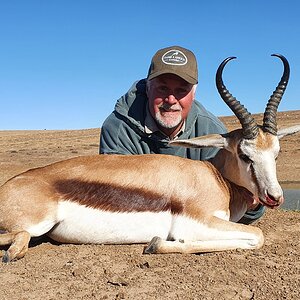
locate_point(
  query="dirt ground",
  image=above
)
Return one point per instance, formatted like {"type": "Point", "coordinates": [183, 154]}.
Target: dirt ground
{"type": "Point", "coordinates": [60, 271]}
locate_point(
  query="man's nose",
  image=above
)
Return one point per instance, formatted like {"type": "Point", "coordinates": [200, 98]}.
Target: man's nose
{"type": "Point", "coordinates": [171, 99]}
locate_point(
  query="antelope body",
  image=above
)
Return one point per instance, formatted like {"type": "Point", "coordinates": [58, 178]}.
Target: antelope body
{"type": "Point", "coordinates": [176, 204]}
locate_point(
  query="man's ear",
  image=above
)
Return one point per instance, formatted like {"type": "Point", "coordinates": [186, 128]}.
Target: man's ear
{"type": "Point", "coordinates": [194, 91]}
{"type": "Point", "coordinates": [147, 86]}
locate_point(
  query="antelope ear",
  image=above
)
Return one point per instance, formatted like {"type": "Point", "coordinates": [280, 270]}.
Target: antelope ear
{"type": "Point", "coordinates": [211, 140]}
{"type": "Point", "coordinates": [288, 131]}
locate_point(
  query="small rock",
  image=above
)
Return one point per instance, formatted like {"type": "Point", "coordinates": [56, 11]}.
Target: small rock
{"type": "Point", "coordinates": [118, 281]}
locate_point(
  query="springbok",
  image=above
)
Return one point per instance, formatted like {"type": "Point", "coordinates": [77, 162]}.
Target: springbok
{"type": "Point", "coordinates": [176, 204]}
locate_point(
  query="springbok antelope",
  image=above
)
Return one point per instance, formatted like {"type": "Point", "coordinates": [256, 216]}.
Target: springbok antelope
{"type": "Point", "coordinates": [176, 204]}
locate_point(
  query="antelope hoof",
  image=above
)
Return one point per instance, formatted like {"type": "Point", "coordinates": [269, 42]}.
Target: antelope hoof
{"type": "Point", "coordinates": [153, 246]}
{"type": "Point", "coordinates": [6, 258]}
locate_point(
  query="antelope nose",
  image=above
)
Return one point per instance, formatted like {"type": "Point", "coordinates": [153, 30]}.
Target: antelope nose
{"type": "Point", "coordinates": [274, 201]}
{"type": "Point", "coordinates": [281, 200]}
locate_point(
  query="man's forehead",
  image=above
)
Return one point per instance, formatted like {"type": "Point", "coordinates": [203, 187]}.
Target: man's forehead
{"type": "Point", "coordinates": [166, 78]}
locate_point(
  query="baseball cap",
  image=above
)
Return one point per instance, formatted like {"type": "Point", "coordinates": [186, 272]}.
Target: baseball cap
{"type": "Point", "coordinates": [175, 60]}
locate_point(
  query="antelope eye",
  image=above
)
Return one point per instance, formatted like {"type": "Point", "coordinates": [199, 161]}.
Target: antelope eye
{"type": "Point", "coordinates": [245, 158]}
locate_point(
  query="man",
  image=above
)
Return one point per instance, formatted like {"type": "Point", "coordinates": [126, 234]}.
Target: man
{"type": "Point", "coordinates": [161, 108]}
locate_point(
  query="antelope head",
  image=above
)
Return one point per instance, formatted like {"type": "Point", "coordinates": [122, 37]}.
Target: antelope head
{"type": "Point", "coordinates": [248, 155]}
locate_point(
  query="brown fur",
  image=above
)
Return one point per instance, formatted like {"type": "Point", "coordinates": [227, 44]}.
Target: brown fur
{"type": "Point", "coordinates": [264, 140]}
{"type": "Point", "coordinates": [116, 183]}
{"type": "Point", "coordinates": [215, 194]}
{"type": "Point", "coordinates": [114, 197]}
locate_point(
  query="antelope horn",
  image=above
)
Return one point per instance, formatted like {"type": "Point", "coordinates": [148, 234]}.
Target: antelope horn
{"type": "Point", "coordinates": [250, 128]}
{"type": "Point", "coordinates": [269, 122]}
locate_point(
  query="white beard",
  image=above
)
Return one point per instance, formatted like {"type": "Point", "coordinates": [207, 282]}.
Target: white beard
{"type": "Point", "coordinates": [169, 120]}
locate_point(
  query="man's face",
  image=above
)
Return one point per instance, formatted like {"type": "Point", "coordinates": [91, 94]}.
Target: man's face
{"type": "Point", "coordinates": [170, 100]}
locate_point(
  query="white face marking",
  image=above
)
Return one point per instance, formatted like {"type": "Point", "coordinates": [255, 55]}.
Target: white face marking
{"type": "Point", "coordinates": [264, 168]}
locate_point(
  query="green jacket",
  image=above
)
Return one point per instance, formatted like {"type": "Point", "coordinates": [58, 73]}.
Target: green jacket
{"type": "Point", "coordinates": [123, 132]}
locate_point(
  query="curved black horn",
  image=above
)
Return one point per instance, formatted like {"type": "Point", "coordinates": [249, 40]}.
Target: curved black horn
{"type": "Point", "coordinates": [250, 128]}
{"type": "Point", "coordinates": [270, 123]}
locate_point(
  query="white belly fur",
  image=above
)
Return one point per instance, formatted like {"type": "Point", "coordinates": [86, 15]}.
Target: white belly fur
{"type": "Point", "coordinates": [85, 225]}
{"type": "Point", "coordinates": [80, 224]}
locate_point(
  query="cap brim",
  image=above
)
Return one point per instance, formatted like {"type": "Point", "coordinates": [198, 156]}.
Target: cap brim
{"type": "Point", "coordinates": [184, 76]}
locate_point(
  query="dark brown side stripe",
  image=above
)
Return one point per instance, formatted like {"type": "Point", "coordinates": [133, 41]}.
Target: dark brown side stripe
{"type": "Point", "coordinates": [115, 198]}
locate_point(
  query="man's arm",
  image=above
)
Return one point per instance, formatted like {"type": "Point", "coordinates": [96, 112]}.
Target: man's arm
{"type": "Point", "coordinates": [117, 137]}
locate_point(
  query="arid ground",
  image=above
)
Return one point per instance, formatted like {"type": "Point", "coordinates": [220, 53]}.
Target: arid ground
{"type": "Point", "coordinates": [60, 271]}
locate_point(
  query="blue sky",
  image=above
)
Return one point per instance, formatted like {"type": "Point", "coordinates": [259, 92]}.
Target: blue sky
{"type": "Point", "coordinates": [64, 63]}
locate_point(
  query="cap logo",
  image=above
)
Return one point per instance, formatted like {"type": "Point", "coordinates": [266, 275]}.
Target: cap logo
{"type": "Point", "coordinates": [174, 57]}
